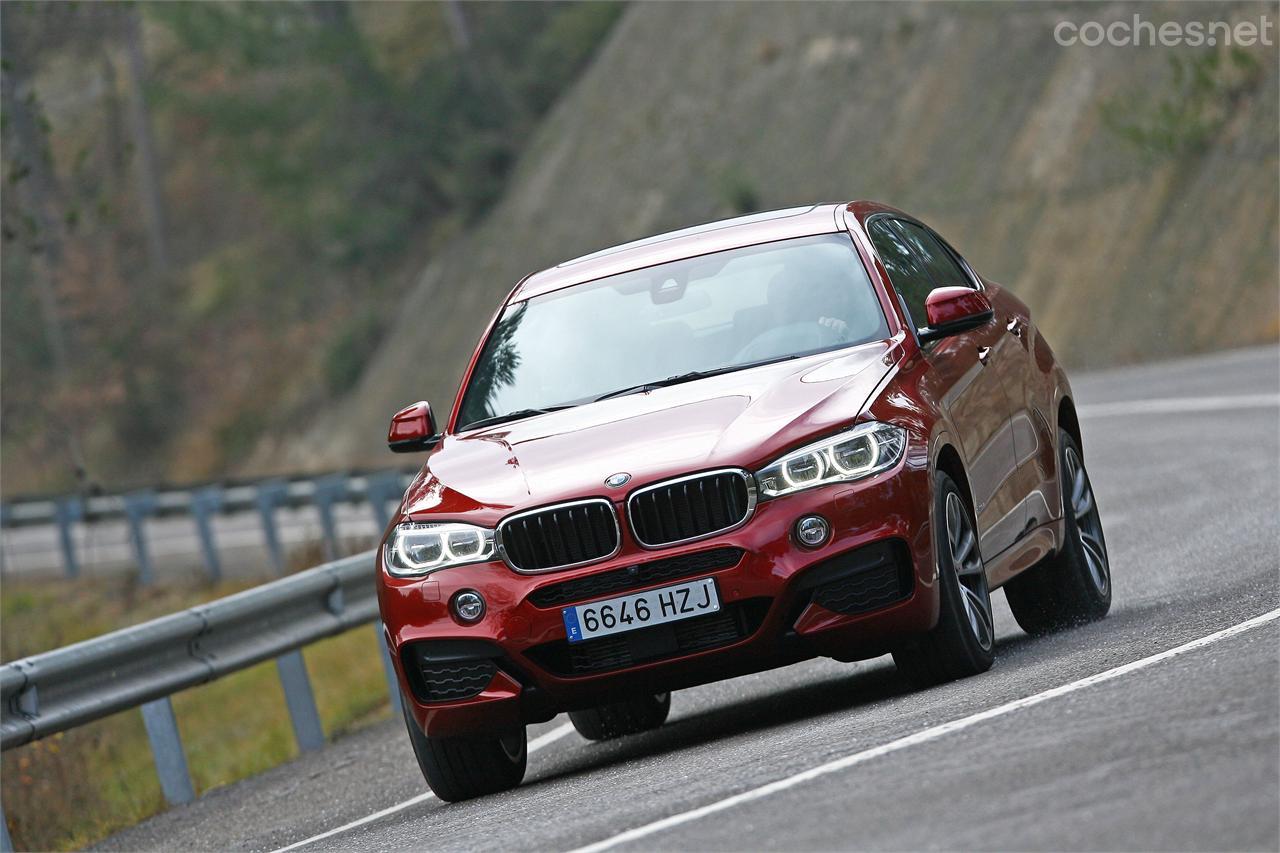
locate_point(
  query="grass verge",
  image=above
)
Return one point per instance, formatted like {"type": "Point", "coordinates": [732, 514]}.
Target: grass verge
{"type": "Point", "coordinates": [74, 788]}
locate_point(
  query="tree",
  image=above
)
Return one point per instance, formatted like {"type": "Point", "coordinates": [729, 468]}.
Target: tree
{"type": "Point", "coordinates": [30, 171]}
{"type": "Point", "coordinates": [149, 172]}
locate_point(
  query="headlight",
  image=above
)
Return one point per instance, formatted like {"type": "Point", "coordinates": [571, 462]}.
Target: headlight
{"type": "Point", "coordinates": [418, 549]}
{"type": "Point", "coordinates": [867, 449]}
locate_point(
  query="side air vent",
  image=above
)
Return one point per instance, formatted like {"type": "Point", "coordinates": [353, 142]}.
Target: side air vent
{"type": "Point", "coordinates": [449, 670]}
{"type": "Point", "coordinates": [861, 580]}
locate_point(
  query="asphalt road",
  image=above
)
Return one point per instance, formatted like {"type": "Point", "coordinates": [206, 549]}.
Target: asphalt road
{"type": "Point", "coordinates": [1165, 751]}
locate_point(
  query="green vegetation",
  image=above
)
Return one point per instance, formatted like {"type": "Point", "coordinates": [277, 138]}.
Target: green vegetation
{"type": "Point", "coordinates": [353, 345]}
{"type": "Point", "coordinates": [211, 209]}
{"type": "Point", "coordinates": [72, 789]}
{"type": "Point", "coordinates": [1203, 92]}
{"type": "Point", "coordinates": [738, 192]}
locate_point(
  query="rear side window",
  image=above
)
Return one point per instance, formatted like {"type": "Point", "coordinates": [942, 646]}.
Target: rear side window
{"type": "Point", "coordinates": [906, 273]}
{"type": "Point", "coordinates": [944, 269]}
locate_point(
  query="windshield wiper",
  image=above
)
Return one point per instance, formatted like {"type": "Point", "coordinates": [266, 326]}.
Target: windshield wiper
{"type": "Point", "coordinates": [680, 378]}
{"type": "Point", "coordinates": [519, 414]}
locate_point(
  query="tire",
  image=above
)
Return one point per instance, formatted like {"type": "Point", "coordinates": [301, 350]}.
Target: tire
{"type": "Point", "coordinates": [963, 641]}
{"type": "Point", "coordinates": [459, 768]}
{"type": "Point", "coordinates": [1073, 586]}
{"type": "Point", "coordinates": [622, 718]}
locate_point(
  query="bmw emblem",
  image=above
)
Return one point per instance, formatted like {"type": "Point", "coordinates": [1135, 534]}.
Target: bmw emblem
{"type": "Point", "coordinates": [613, 481]}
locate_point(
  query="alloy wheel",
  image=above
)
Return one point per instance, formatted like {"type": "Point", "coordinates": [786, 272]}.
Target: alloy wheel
{"type": "Point", "coordinates": [1088, 525]}
{"type": "Point", "coordinates": [967, 563]}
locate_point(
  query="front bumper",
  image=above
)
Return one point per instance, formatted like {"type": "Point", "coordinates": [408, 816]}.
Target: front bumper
{"type": "Point", "coordinates": [870, 586]}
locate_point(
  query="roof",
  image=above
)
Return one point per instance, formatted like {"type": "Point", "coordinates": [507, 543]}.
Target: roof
{"type": "Point", "coordinates": [686, 243]}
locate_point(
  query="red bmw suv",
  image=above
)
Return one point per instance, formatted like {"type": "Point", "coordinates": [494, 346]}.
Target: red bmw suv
{"type": "Point", "coordinates": [813, 431]}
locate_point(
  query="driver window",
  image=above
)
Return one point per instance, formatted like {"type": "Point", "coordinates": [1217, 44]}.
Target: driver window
{"type": "Point", "coordinates": [938, 261]}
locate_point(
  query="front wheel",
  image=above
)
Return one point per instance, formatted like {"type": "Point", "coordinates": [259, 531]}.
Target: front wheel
{"type": "Point", "coordinates": [963, 641]}
{"type": "Point", "coordinates": [622, 718]}
{"type": "Point", "coordinates": [460, 768]}
{"type": "Point", "coordinates": [1074, 585]}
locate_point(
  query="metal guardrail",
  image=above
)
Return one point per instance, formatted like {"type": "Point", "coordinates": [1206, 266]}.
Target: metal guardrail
{"type": "Point", "coordinates": [378, 489]}
{"type": "Point", "coordinates": [297, 491]}
{"type": "Point", "coordinates": [144, 665]}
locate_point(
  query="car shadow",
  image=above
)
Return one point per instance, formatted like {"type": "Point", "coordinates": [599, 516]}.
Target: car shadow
{"type": "Point", "coordinates": [864, 685]}
{"type": "Point", "coordinates": [760, 707]}
{"type": "Point", "coordinates": [861, 688]}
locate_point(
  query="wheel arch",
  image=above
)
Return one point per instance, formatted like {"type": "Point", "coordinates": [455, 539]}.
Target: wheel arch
{"type": "Point", "coordinates": [1068, 420]}
{"type": "Point", "coordinates": [949, 462]}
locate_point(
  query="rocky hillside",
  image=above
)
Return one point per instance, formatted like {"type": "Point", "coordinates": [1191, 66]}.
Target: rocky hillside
{"type": "Point", "coordinates": [1129, 195]}
{"type": "Point", "coordinates": [211, 210]}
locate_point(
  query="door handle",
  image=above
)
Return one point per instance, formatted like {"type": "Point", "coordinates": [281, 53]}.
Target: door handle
{"type": "Point", "coordinates": [983, 354]}
{"type": "Point", "coordinates": [1015, 326]}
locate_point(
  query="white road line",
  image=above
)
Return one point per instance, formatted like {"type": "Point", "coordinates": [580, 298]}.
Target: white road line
{"type": "Point", "coordinates": [534, 745]}
{"type": "Point", "coordinates": [1174, 405]}
{"type": "Point", "coordinates": [919, 737]}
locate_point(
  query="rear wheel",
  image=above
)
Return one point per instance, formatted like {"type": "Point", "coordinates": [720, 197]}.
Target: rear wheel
{"type": "Point", "coordinates": [1074, 585]}
{"type": "Point", "coordinates": [622, 718]}
{"type": "Point", "coordinates": [963, 641]}
{"type": "Point", "coordinates": [459, 768]}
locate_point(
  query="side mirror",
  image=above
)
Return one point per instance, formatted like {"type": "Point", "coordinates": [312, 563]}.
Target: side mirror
{"type": "Point", "coordinates": [952, 310]}
{"type": "Point", "coordinates": [413, 429]}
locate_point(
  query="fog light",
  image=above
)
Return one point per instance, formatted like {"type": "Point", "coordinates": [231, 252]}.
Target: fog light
{"type": "Point", "coordinates": [468, 605]}
{"type": "Point", "coordinates": [812, 531]}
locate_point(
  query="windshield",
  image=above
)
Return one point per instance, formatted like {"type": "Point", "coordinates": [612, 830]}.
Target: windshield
{"type": "Point", "coordinates": [741, 307]}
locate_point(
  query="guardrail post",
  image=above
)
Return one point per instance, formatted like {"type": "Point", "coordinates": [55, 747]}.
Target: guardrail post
{"type": "Point", "coordinates": [328, 491]}
{"type": "Point", "coordinates": [166, 749]}
{"type": "Point", "coordinates": [204, 504]}
{"type": "Point", "coordinates": [388, 669]}
{"type": "Point", "coordinates": [271, 493]}
{"type": "Point", "coordinates": [382, 489]}
{"type": "Point", "coordinates": [67, 512]}
{"type": "Point", "coordinates": [137, 506]}
{"type": "Point", "coordinates": [301, 701]}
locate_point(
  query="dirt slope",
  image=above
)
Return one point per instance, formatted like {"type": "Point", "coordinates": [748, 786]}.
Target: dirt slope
{"type": "Point", "coordinates": [1024, 153]}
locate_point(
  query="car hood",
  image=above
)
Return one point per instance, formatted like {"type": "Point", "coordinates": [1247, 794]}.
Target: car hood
{"type": "Point", "coordinates": [742, 419]}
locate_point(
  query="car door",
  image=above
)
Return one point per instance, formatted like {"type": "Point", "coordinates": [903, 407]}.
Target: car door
{"type": "Point", "coordinates": [1013, 360]}
{"type": "Point", "coordinates": [960, 376]}
{"type": "Point", "coordinates": [1030, 399]}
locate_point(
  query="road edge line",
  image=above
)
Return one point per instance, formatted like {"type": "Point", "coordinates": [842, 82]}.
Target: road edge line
{"type": "Point", "coordinates": [923, 736]}
{"type": "Point", "coordinates": [545, 739]}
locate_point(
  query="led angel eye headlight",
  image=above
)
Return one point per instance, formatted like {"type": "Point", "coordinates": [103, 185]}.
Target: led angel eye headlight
{"type": "Point", "coordinates": [800, 471]}
{"type": "Point", "coordinates": [416, 549]}
{"type": "Point", "coordinates": [863, 451]}
{"type": "Point", "coordinates": [853, 457]}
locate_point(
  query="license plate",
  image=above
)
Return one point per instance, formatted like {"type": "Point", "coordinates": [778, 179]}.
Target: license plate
{"type": "Point", "coordinates": [641, 609]}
